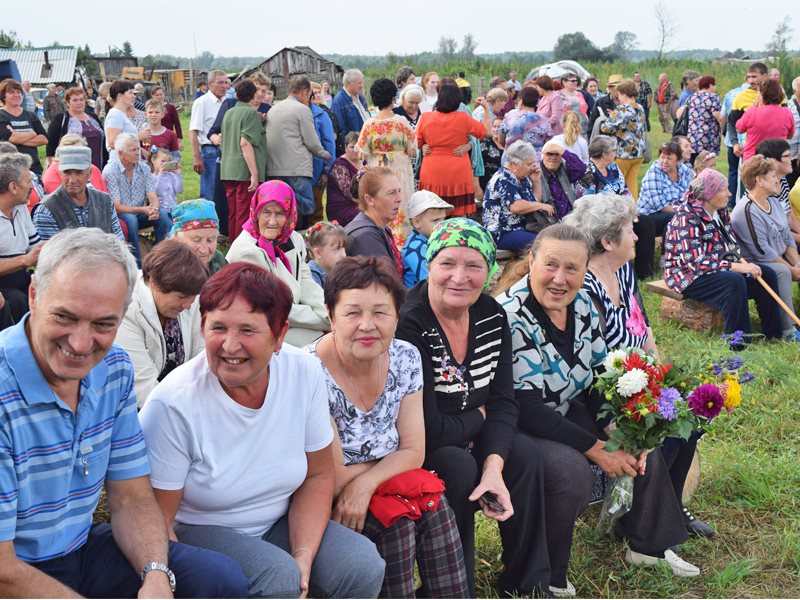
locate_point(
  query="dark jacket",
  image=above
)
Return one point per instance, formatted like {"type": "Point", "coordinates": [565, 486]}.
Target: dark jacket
{"type": "Point", "coordinates": [59, 127]}
{"type": "Point", "coordinates": [606, 103]}
{"type": "Point", "coordinates": [346, 113]}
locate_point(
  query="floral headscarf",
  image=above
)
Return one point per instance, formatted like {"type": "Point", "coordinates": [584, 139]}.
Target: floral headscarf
{"type": "Point", "coordinates": [194, 214]}
{"type": "Point", "coordinates": [464, 233]}
{"type": "Point", "coordinates": [280, 193]}
{"type": "Point", "coordinates": [705, 186]}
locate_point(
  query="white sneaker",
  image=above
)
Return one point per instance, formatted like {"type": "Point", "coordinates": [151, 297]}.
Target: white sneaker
{"type": "Point", "coordinates": [565, 592]}
{"type": "Point", "coordinates": [679, 567]}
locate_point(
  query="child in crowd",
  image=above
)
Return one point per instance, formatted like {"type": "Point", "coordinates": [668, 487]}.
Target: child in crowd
{"type": "Point", "coordinates": [161, 136]}
{"type": "Point", "coordinates": [169, 179]}
{"type": "Point", "coordinates": [705, 160]}
{"type": "Point", "coordinates": [425, 211]}
{"type": "Point", "coordinates": [326, 242]}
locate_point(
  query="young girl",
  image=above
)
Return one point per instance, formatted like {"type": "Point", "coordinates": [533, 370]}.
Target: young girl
{"type": "Point", "coordinates": [326, 244]}
{"type": "Point", "coordinates": [169, 179]}
{"type": "Point", "coordinates": [572, 139]}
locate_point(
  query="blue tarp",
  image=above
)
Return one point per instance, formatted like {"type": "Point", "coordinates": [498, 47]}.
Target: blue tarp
{"type": "Point", "coordinates": [8, 68]}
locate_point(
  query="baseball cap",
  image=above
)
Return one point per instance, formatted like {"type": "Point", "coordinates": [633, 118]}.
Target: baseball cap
{"type": "Point", "coordinates": [423, 200]}
{"type": "Point", "coordinates": [74, 158]}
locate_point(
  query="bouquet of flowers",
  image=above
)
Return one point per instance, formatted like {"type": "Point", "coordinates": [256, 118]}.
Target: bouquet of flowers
{"type": "Point", "coordinates": [649, 402]}
{"type": "Point", "coordinates": [646, 407]}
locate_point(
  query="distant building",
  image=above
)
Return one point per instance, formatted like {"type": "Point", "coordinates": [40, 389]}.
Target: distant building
{"type": "Point", "coordinates": [40, 66]}
{"type": "Point", "coordinates": [299, 60]}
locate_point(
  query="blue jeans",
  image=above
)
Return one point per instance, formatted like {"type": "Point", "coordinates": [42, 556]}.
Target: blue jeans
{"type": "Point", "coordinates": [733, 176]}
{"type": "Point", "coordinates": [515, 241]}
{"type": "Point", "coordinates": [209, 154]}
{"type": "Point", "coordinates": [303, 192]}
{"type": "Point", "coordinates": [134, 222]}
{"type": "Point", "coordinates": [98, 569]}
{"type": "Point", "coordinates": [347, 564]}
{"type": "Point", "coordinates": [728, 293]}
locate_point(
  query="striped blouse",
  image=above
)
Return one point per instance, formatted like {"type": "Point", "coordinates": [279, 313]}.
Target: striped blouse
{"type": "Point", "coordinates": [617, 332]}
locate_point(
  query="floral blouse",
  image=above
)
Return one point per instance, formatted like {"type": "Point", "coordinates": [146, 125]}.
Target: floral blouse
{"type": "Point", "coordinates": [594, 182]}
{"type": "Point", "coordinates": [626, 123]}
{"type": "Point", "coordinates": [372, 435]}
{"type": "Point", "coordinates": [528, 126]}
{"type": "Point", "coordinates": [502, 191]}
{"type": "Point", "coordinates": [704, 131]}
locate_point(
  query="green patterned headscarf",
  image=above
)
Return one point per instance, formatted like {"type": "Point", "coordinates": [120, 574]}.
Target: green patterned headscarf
{"type": "Point", "coordinates": [464, 233]}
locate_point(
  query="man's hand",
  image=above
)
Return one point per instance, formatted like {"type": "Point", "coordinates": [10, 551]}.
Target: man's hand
{"type": "Point", "coordinates": [459, 150]}
{"type": "Point", "coordinates": [197, 165]}
{"type": "Point", "coordinates": [215, 139]}
{"type": "Point", "coordinates": [32, 257]}
{"type": "Point", "coordinates": [155, 585]}
{"type": "Point", "coordinates": [326, 156]}
{"type": "Point", "coordinates": [253, 183]}
{"type": "Point", "coordinates": [737, 149]}
{"type": "Point", "coordinates": [2, 300]}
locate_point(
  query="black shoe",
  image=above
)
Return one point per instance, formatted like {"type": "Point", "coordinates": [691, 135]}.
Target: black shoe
{"type": "Point", "coordinates": [695, 526]}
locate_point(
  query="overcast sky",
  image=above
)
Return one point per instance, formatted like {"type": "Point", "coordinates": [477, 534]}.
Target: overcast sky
{"type": "Point", "coordinates": [262, 27]}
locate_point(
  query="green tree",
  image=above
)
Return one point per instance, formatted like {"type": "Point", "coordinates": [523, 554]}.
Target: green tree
{"type": "Point", "coordinates": [625, 42]}
{"type": "Point", "coordinates": [447, 47]}
{"type": "Point", "coordinates": [9, 39]}
{"type": "Point", "coordinates": [576, 46]}
{"type": "Point", "coordinates": [468, 46]}
{"type": "Point", "coordinates": [87, 61]}
{"type": "Point", "coordinates": [127, 49]}
{"type": "Point", "coordinates": [779, 44]}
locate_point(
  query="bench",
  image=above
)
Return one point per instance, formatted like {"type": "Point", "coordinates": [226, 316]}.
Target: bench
{"type": "Point", "coordinates": [689, 313]}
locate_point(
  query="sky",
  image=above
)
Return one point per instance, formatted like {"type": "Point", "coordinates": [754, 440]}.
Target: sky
{"type": "Point", "coordinates": [262, 27]}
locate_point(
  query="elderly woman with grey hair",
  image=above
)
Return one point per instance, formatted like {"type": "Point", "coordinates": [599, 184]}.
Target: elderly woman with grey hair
{"type": "Point", "coordinates": [410, 98]}
{"type": "Point", "coordinates": [511, 196]}
{"type": "Point", "coordinates": [603, 176]}
{"type": "Point", "coordinates": [608, 220]}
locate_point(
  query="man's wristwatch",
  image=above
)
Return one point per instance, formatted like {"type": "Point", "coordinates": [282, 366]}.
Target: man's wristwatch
{"type": "Point", "coordinates": [157, 566]}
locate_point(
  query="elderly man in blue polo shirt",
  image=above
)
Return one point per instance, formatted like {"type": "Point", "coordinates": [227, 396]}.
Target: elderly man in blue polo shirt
{"type": "Point", "coordinates": [68, 425]}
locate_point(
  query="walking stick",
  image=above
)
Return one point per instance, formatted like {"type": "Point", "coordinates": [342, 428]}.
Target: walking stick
{"type": "Point", "coordinates": [736, 258]}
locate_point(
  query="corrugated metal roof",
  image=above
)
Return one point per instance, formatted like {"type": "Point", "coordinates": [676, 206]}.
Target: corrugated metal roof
{"type": "Point", "coordinates": [31, 60]}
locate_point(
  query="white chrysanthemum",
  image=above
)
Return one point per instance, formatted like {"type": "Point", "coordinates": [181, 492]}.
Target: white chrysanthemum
{"type": "Point", "coordinates": [632, 382]}
{"type": "Point", "coordinates": [614, 360]}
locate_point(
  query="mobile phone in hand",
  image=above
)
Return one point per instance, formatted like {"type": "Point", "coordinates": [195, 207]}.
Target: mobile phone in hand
{"type": "Point", "coordinates": [492, 503]}
{"type": "Point", "coordinates": [171, 165]}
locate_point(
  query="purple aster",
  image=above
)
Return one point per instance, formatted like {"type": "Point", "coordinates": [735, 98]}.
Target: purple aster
{"type": "Point", "coordinates": [733, 363]}
{"type": "Point", "coordinates": [735, 339]}
{"type": "Point", "coordinates": [706, 400]}
{"type": "Point", "coordinates": [746, 377]}
{"type": "Point", "coordinates": [666, 403]}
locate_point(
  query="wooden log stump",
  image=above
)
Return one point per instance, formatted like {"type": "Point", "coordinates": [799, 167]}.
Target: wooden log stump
{"type": "Point", "coordinates": [689, 313]}
{"type": "Point", "coordinates": [692, 479]}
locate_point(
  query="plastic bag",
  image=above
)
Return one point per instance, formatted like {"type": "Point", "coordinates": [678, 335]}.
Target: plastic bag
{"type": "Point", "coordinates": [618, 501]}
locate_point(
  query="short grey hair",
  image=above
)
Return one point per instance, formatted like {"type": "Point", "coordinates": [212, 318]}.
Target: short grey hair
{"type": "Point", "coordinates": [351, 75]}
{"type": "Point", "coordinates": [601, 144]}
{"type": "Point", "coordinates": [602, 217]}
{"type": "Point", "coordinates": [72, 139]}
{"type": "Point", "coordinates": [84, 249]}
{"type": "Point", "coordinates": [214, 73]}
{"type": "Point", "coordinates": [796, 83]}
{"type": "Point", "coordinates": [8, 148]}
{"type": "Point", "coordinates": [519, 152]}
{"type": "Point", "coordinates": [123, 139]}
{"type": "Point", "coordinates": [412, 90]}
{"type": "Point", "coordinates": [12, 167]}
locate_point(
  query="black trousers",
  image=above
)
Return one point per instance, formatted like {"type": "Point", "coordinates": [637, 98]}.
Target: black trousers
{"type": "Point", "coordinates": [524, 556]}
{"type": "Point", "coordinates": [645, 231]}
{"type": "Point", "coordinates": [15, 307]}
{"type": "Point", "coordinates": [653, 524]}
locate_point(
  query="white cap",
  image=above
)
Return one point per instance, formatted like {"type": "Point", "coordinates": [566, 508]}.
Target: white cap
{"type": "Point", "coordinates": [423, 200]}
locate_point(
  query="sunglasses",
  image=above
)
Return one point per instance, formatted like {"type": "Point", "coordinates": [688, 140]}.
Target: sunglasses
{"type": "Point", "coordinates": [552, 154]}
{"type": "Point", "coordinates": [670, 146]}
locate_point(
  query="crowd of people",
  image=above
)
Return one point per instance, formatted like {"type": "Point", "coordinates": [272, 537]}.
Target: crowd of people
{"type": "Point", "coordinates": [322, 409]}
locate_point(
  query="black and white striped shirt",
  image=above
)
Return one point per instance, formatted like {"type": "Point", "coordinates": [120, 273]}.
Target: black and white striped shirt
{"type": "Point", "coordinates": [616, 317]}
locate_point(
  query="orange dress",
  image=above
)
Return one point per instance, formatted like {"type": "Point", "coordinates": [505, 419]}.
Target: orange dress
{"type": "Point", "coordinates": [443, 173]}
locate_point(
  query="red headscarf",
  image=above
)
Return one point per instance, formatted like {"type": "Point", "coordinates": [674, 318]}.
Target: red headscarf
{"type": "Point", "coordinates": [283, 195]}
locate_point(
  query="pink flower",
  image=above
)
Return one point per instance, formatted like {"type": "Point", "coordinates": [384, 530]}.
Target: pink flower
{"type": "Point", "coordinates": [706, 400]}
{"type": "Point", "coordinates": [636, 324]}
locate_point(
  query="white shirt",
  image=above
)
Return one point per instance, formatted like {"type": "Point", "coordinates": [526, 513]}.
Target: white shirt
{"type": "Point", "coordinates": [204, 113]}
{"type": "Point", "coordinates": [237, 466]}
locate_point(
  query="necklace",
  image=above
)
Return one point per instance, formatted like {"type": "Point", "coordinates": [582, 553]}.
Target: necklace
{"type": "Point", "coordinates": [366, 406]}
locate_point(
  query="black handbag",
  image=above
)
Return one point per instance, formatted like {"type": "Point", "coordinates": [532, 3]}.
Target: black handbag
{"type": "Point", "coordinates": [538, 220]}
{"type": "Point", "coordinates": [681, 126]}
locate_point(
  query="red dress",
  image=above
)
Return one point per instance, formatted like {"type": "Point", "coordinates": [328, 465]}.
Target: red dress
{"type": "Point", "coordinates": [443, 173]}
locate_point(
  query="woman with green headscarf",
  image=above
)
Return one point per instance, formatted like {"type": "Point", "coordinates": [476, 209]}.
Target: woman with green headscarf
{"type": "Point", "coordinates": [471, 438]}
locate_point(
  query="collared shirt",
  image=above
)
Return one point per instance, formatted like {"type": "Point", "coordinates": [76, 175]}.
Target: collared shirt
{"type": "Point", "coordinates": [794, 143]}
{"type": "Point", "coordinates": [28, 102]}
{"type": "Point", "coordinates": [133, 191]}
{"type": "Point", "coordinates": [727, 106]}
{"type": "Point", "coordinates": [204, 113]}
{"type": "Point", "coordinates": [47, 227]}
{"type": "Point", "coordinates": [658, 190]}
{"type": "Point", "coordinates": [360, 107]}
{"type": "Point", "coordinates": [53, 461]}
{"type": "Point", "coordinates": [17, 233]}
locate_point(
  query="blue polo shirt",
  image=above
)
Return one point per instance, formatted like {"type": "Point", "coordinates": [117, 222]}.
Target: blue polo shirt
{"type": "Point", "coordinates": [52, 461]}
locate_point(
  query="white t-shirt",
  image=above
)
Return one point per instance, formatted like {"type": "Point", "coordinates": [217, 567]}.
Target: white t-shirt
{"type": "Point", "coordinates": [116, 119]}
{"type": "Point", "coordinates": [204, 113]}
{"type": "Point", "coordinates": [237, 466]}
{"type": "Point", "coordinates": [580, 148]}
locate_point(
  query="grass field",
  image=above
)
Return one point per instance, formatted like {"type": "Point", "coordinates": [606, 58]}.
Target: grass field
{"type": "Point", "coordinates": [749, 490]}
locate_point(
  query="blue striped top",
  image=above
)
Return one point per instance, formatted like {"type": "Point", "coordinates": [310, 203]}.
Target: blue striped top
{"type": "Point", "coordinates": [52, 461]}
